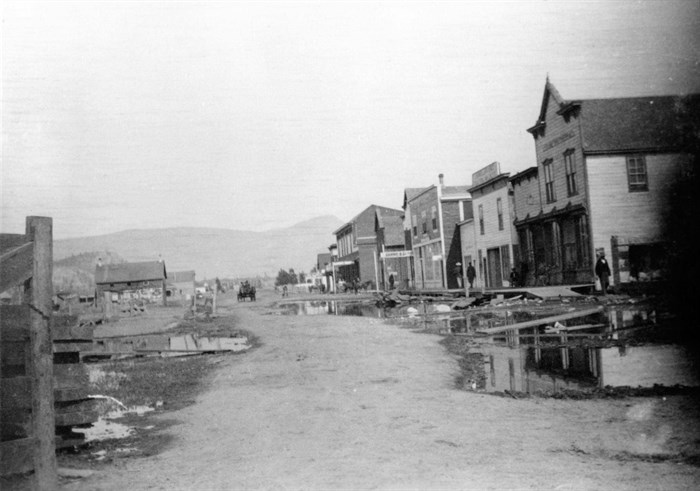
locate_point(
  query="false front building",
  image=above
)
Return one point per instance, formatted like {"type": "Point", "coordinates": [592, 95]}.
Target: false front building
{"type": "Point", "coordinates": [434, 235]}
{"type": "Point", "coordinates": [606, 170]}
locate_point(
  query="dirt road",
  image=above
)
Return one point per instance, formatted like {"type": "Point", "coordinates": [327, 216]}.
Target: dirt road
{"type": "Point", "coordinates": [352, 403]}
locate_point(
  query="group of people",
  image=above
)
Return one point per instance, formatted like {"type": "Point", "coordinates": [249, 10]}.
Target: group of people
{"type": "Point", "coordinates": [602, 272]}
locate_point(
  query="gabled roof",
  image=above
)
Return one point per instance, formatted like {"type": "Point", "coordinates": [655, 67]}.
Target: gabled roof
{"type": "Point", "coordinates": [181, 277]}
{"type": "Point", "coordinates": [410, 193]}
{"type": "Point", "coordinates": [637, 123]}
{"type": "Point", "coordinates": [382, 209]}
{"type": "Point", "coordinates": [130, 272]}
{"type": "Point", "coordinates": [623, 124]}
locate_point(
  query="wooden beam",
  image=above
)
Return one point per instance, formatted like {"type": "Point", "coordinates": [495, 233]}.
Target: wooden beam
{"type": "Point", "coordinates": [16, 266]}
{"type": "Point", "coordinates": [11, 241]}
{"type": "Point", "coordinates": [40, 231]}
{"type": "Point", "coordinates": [545, 320]}
{"type": "Point", "coordinates": [16, 457]}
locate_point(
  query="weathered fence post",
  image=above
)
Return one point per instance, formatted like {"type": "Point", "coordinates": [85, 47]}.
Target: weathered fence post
{"type": "Point", "coordinates": [39, 297]}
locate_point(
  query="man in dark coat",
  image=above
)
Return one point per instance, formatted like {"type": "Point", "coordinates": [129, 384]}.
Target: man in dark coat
{"type": "Point", "coordinates": [471, 274]}
{"type": "Point", "coordinates": [602, 271]}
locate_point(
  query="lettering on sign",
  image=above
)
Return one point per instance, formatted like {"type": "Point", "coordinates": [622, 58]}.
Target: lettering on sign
{"type": "Point", "coordinates": [486, 174]}
{"type": "Point", "coordinates": [391, 254]}
{"type": "Point", "coordinates": [556, 141]}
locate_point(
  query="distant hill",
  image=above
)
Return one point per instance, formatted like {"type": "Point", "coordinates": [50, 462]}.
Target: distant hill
{"type": "Point", "coordinates": [76, 273]}
{"type": "Point", "coordinates": [214, 252]}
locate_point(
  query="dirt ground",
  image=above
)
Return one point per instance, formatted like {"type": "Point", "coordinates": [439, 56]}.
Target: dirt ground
{"type": "Point", "coordinates": [341, 402]}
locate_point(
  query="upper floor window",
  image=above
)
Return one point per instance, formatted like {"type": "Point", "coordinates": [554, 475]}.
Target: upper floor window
{"type": "Point", "coordinates": [637, 173]}
{"type": "Point", "coordinates": [414, 224]}
{"type": "Point", "coordinates": [424, 219]}
{"type": "Point", "coordinates": [481, 219]}
{"type": "Point", "coordinates": [549, 181]}
{"type": "Point", "coordinates": [434, 218]}
{"type": "Point", "coordinates": [499, 209]}
{"type": "Point", "coordinates": [570, 165]}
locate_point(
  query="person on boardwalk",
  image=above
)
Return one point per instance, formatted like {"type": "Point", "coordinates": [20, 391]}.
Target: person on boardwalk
{"type": "Point", "coordinates": [602, 271]}
{"type": "Point", "coordinates": [471, 274]}
{"type": "Point", "coordinates": [458, 274]}
{"type": "Point", "coordinates": [391, 282]}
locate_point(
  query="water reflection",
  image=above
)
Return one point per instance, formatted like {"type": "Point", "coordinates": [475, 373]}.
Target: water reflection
{"type": "Point", "coordinates": [332, 307]}
{"type": "Point", "coordinates": [618, 347]}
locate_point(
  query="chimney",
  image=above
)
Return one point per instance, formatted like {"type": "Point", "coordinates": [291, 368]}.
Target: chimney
{"type": "Point", "coordinates": [99, 262]}
{"type": "Point", "coordinates": [442, 182]}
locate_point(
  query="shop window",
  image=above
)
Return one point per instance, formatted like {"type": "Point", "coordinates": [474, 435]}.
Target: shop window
{"type": "Point", "coordinates": [549, 181]}
{"type": "Point", "coordinates": [570, 165]}
{"type": "Point", "coordinates": [637, 174]}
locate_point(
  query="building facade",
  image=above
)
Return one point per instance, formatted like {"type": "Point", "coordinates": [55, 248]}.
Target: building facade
{"type": "Point", "coordinates": [357, 247]}
{"type": "Point", "coordinates": [496, 242]}
{"type": "Point", "coordinates": [435, 237]}
{"type": "Point", "coordinates": [605, 172]}
{"type": "Point", "coordinates": [395, 260]}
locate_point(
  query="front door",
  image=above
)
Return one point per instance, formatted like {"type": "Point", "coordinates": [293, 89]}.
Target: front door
{"type": "Point", "coordinates": [495, 275]}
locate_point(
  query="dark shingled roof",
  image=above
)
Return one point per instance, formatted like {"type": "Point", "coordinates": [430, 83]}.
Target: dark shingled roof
{"type": "Point", "coordinates": [637, 123]}
{"type": "Point", "coordinates": [130, 272]}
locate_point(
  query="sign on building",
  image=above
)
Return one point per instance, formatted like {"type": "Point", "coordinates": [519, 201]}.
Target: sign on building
{"type": "Point", "coordinates": [393, 254]}
{"type": "Point", "coordinates": [486, 174]}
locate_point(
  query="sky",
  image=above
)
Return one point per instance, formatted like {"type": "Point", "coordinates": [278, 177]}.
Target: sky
{"type": "Point", "coordinates": [259, 115]}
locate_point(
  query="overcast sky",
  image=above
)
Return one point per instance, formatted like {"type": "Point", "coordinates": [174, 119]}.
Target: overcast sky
{"type": "Point", "coordinates": [120, 115]}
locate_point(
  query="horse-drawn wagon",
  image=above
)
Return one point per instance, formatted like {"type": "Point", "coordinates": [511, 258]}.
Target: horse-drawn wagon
{"type": "Point", "coordinates": [246, 291]}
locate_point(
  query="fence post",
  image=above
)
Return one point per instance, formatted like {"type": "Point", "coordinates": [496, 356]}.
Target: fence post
{"type": "Point", "coordinates": [39, 296]}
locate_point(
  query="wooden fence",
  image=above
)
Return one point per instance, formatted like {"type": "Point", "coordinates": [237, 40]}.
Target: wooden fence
{"type": "Point", "coordinates": [26, 357]}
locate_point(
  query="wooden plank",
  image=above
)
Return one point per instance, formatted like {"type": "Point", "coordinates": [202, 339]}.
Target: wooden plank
{"type": "Point", "coordinates": [13, 428]}
{"type": "Point", "coordinates": [64, 347]}
{"type": "Point", "coordinates": [16, 266]}
{"type": "Point", "coordinates": [544, 320]}
{"type": "Point", "coordinates": [40, 296]}
{"type": "Point", "coordinates": [11, 241]}
{"type": "Point", "coordinates": [16, 392]}
{"type": "Point", "coordinates": [79, 413]}
{"type": "Point", "coordinates": [13, 352]}
{"type": "Point", "coordinates": [14, 316]}
{"type": "Point", "coordinates": [16, 456]}
{"type": "Point", "coordinates": [73, 333]}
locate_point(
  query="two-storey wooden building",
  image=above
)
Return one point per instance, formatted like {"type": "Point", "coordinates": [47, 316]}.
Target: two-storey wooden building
{"type": "Point", "coordinates": [605, 169]}
{"type": "Point", "coordinates": [495, 239]}
{"type": "Point", "coordinates": [435, 237]}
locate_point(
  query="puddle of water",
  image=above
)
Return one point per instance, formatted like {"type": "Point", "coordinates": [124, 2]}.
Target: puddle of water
{"type": "Point", "coordinates": [332, 307]}
{"type": "Point", "coordinates": [625, 346]}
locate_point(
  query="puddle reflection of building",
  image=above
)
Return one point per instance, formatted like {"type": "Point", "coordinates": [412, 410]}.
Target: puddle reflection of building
{"type": "Point", "coordinates": [538, 368]}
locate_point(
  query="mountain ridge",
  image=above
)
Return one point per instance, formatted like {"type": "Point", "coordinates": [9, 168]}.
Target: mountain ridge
{"type": "Point", "coordinates": [214, 251]}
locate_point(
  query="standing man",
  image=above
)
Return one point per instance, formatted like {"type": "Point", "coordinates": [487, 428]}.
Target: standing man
{"type": "Point", "coordinates": [458, 274]}
{"type": "Point", "coordinates": [471, 274]}
{"type": "Point", "coordinates": [602, 271]}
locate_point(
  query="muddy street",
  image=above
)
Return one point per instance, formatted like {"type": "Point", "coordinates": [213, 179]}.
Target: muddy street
{"type": "Point", "coordinates": [343, 402]}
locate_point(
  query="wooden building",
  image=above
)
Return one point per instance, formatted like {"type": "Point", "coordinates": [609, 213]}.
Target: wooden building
{"type": "Point", "coordinates": [181, 284]}
{"type": "Point", "coordinates": [131, 280]}
{"type": "Point", "coordinates": [604, 179]}
{"type": "Point", "coordinates": [395, 260]}
{"type": "Point", "coordinates": [435, 212]}
{"type": "Point", "coordinates": [357, 247]}
{"type": "Point", "coordinates": [494, 235]}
